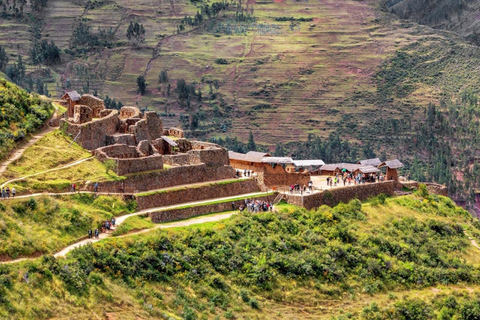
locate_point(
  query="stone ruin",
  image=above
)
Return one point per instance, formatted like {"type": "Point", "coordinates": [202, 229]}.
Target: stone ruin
{"type": "Point", "coordinates": [137, 142]}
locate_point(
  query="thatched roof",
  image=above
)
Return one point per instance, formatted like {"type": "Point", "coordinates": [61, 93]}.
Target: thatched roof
{"type": "Point", "coordinates": [74, 96]}
{"type": "Point", "coordinates": [370, 162]}
{"type": "Point", "coordinates": [369, 169]}
{"type": "Point", "coordinates": [251, 156]}
{"type": "Point", "coordinates": [392, 164]}
{"type": "Point", "coordinates": [308, 163]}
{"type": "Point", "coordinates": [169, 141]}
{"type": "Point", "coordinates": [277, 160]}
{"type": "Point", "coordinates": [348, 166]}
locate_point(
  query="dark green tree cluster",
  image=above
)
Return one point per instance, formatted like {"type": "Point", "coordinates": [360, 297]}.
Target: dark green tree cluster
{"type": "Point", "coordinates": [16, 72]}
{"type": "Point", "coordinates": [45, 52]}
{"type": "Point", "coordinates": [20, 114]}
{"type": "Point", "coordinates": [13, 8]}
{"type": "Point", "coordinates": [112, 103]}
{"type": "Point", "coordinates": [210, 11]}
{"type": "Point", "coordinates": [163, 76]}
{"type": "Point", "coordinates": [135, 32]}
{"type": "Point", "coordinates": [83, 38]}
{"type": "Point", "coordinates": [142, 85]}
{"type": "Point", "coordinates": [3, 59]}
{"type": "Point", "coordinates": [39, 5]}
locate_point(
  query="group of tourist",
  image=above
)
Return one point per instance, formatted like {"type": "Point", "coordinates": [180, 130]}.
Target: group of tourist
{"type": "Point", "coordinates": [7, 192]}
{"type": "Point", "coordinates": [255, 206]}
{"type": "Point", "coordinates": [348, 178]}
{"type": "Point", "coordinates": [106, 225]}
{"type": "Point", "coordinates": [301, 189]}
{"type": "Point", "coordinates": [244, 173]}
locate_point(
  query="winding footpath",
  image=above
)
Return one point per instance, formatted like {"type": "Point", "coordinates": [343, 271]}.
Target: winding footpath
{"type": "Point", "coordinates": [176, 224]}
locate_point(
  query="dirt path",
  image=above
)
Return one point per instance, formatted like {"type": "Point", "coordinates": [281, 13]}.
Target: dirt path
{"type": "Point", "coordinates": [183, 223]}
{"type": "Point", "coordinates": [46, 171]}
{"type": "Point", "coordinates": [18, 153]}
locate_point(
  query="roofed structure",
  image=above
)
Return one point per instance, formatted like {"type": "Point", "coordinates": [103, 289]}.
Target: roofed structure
{"type": "Point", "coordinates": [392, 164]}
{"type": "Point", "coordinates": [370, 162]}
{"type": "Point", "coordinates": [277, 160]}
{"type": "Point", "coordinates": [308, 163]}
{"type": "Point", "coordinates": [369, 169]}
{"type": "Point", "coordinates": [169, 141]}
{"type": "Point", "coordinates": [73, 95]}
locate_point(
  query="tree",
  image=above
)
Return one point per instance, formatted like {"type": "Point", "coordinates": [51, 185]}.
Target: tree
{"type": "Point", "coordinates": [194, 122]}
{"type": "Point", "coordinates": [142, 85]}
{"type": "Point", "coordinates": [3, 59]}
{"type": "Point", "coordinates": [251, 146]}
{"type": "Point", "coordinates": [163, 76]}
{"type": "Point", "coordinates": [279, 150]}
{"type": "Point", "coordinates": [136, 33]}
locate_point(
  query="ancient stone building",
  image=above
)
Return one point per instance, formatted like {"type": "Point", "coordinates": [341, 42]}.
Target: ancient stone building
{"type": "Point", "coordinates": [137, 142]}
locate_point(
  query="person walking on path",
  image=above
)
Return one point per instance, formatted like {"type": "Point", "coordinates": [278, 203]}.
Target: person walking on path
{"type": "Point", "coordinates": [8, 192]}
{"type": "Point", "coordinates": [96, 233]}
{"type": "Point", "coordinates": [233, 205]}
{"type": "Point", "coordinates": [90, 235]}
{"type": "Point", "coordinates": [95, 187]}
{"type": "Point", "coordinates": [14, 192]}
{"type": "Point", "coordinates": [113, 221]}
{"type": "Point", "coordinates": [3, 193]}
{"type": "Point", "coordinates": [73, 187]}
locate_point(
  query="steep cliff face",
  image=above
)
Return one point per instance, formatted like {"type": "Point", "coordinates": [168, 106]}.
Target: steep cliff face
{"type": "Point", "coordinates": [460, 16]}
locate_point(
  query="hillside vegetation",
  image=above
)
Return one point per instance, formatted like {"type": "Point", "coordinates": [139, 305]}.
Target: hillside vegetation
{"type": "Point", "coordinates": [20, 115]}
{"type": "Point", "coordinates": [459, 16]}
{"type": "Point", "coordinates": [381, 259]}
{"type": "Point", "coordinates": [44, 225]}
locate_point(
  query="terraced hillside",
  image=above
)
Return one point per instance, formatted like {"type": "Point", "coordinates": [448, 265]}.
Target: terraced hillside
{"type": "Point", "coordinates": [283, 69]}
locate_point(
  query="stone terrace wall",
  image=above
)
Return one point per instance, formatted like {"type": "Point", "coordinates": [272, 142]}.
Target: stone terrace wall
{"type": "Point", "coordinates": [434, 188]}
{"type": "Point", "coordinates": [345, 194]}
{"type": "Point", "coordinates": [93, 134]}
{"type": "Point", "coordinates": [94, 103]}
{"type": "Point", "coordinates": [134, 165]}
{"type": "Point", "coordinates": [181, 159]}
{"type": "Point", "coordinates": [211, 157]}
{"type": "Point", "coordinates": [168, 178]}
{"type": "Point", "coordinates": [179, 214]}
{"type": "Point", "coordinates": [210, 191]}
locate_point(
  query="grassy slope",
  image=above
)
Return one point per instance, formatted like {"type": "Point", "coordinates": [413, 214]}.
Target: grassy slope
{"type": "Point", "coordinates": [46, 225]}
{"type": "Point", "coordinates": [322, 71]}
{"type": "Point", "coordinates": [410, 247]}
{"type": "Point", "coordinates": [50, 152]}
{"type": "Point", "coordinates": [21, 114]}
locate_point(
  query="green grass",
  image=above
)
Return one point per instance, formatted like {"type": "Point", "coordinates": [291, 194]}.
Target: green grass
{"type": "Point", "coordinates": [52, 151]}
{"type": "Point", "coordinates": [357, 260]}
{"type": "Point", "coordinates": [132, 224]}
{"type": "Point", "coordinates": [45, 224]}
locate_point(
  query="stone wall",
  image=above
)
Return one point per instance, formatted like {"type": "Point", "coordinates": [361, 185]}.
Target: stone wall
{"type": "Point", "coordinates": [174, 132]}
{"type": "Point", "coordinates": [129, 112]}
{"type": "Point", "coordinates": [93, 134]}
{"type": "Point", "coordinates": [433, 188]}
{"type": "Point", "coordinates": [82, 114]}
{"type": "Point", "coordinates": [211, 157]}
{"type": "Point", "coordinates": [197, 193]}
{"type": "Point", "coordinates": [94, 103]}
{"type": "Point", "coordinates": [168, 178]}
{"type": "Point", "coordinates": [185, 213]}
{"type": "Point", "coordinates": [127, 159]}
{"type": "Point", "coordinates": [181, 159]}
{"type": "Point", "coordinates": [127, 139]}
{"type": "Point", "coordinates": [200, 145]}
{"type": "Point", "coordinates": [134, 165]}
{"type": "Point", "coordinates": [344, 194]}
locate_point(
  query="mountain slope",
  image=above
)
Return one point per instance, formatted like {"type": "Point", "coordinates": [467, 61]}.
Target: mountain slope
{"type": "Point", "coordinates": [295, 263]}
{"type": "Point", "coordinates": [20, 114]}
{"type": "Point", "coordinates": [454, 15]}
